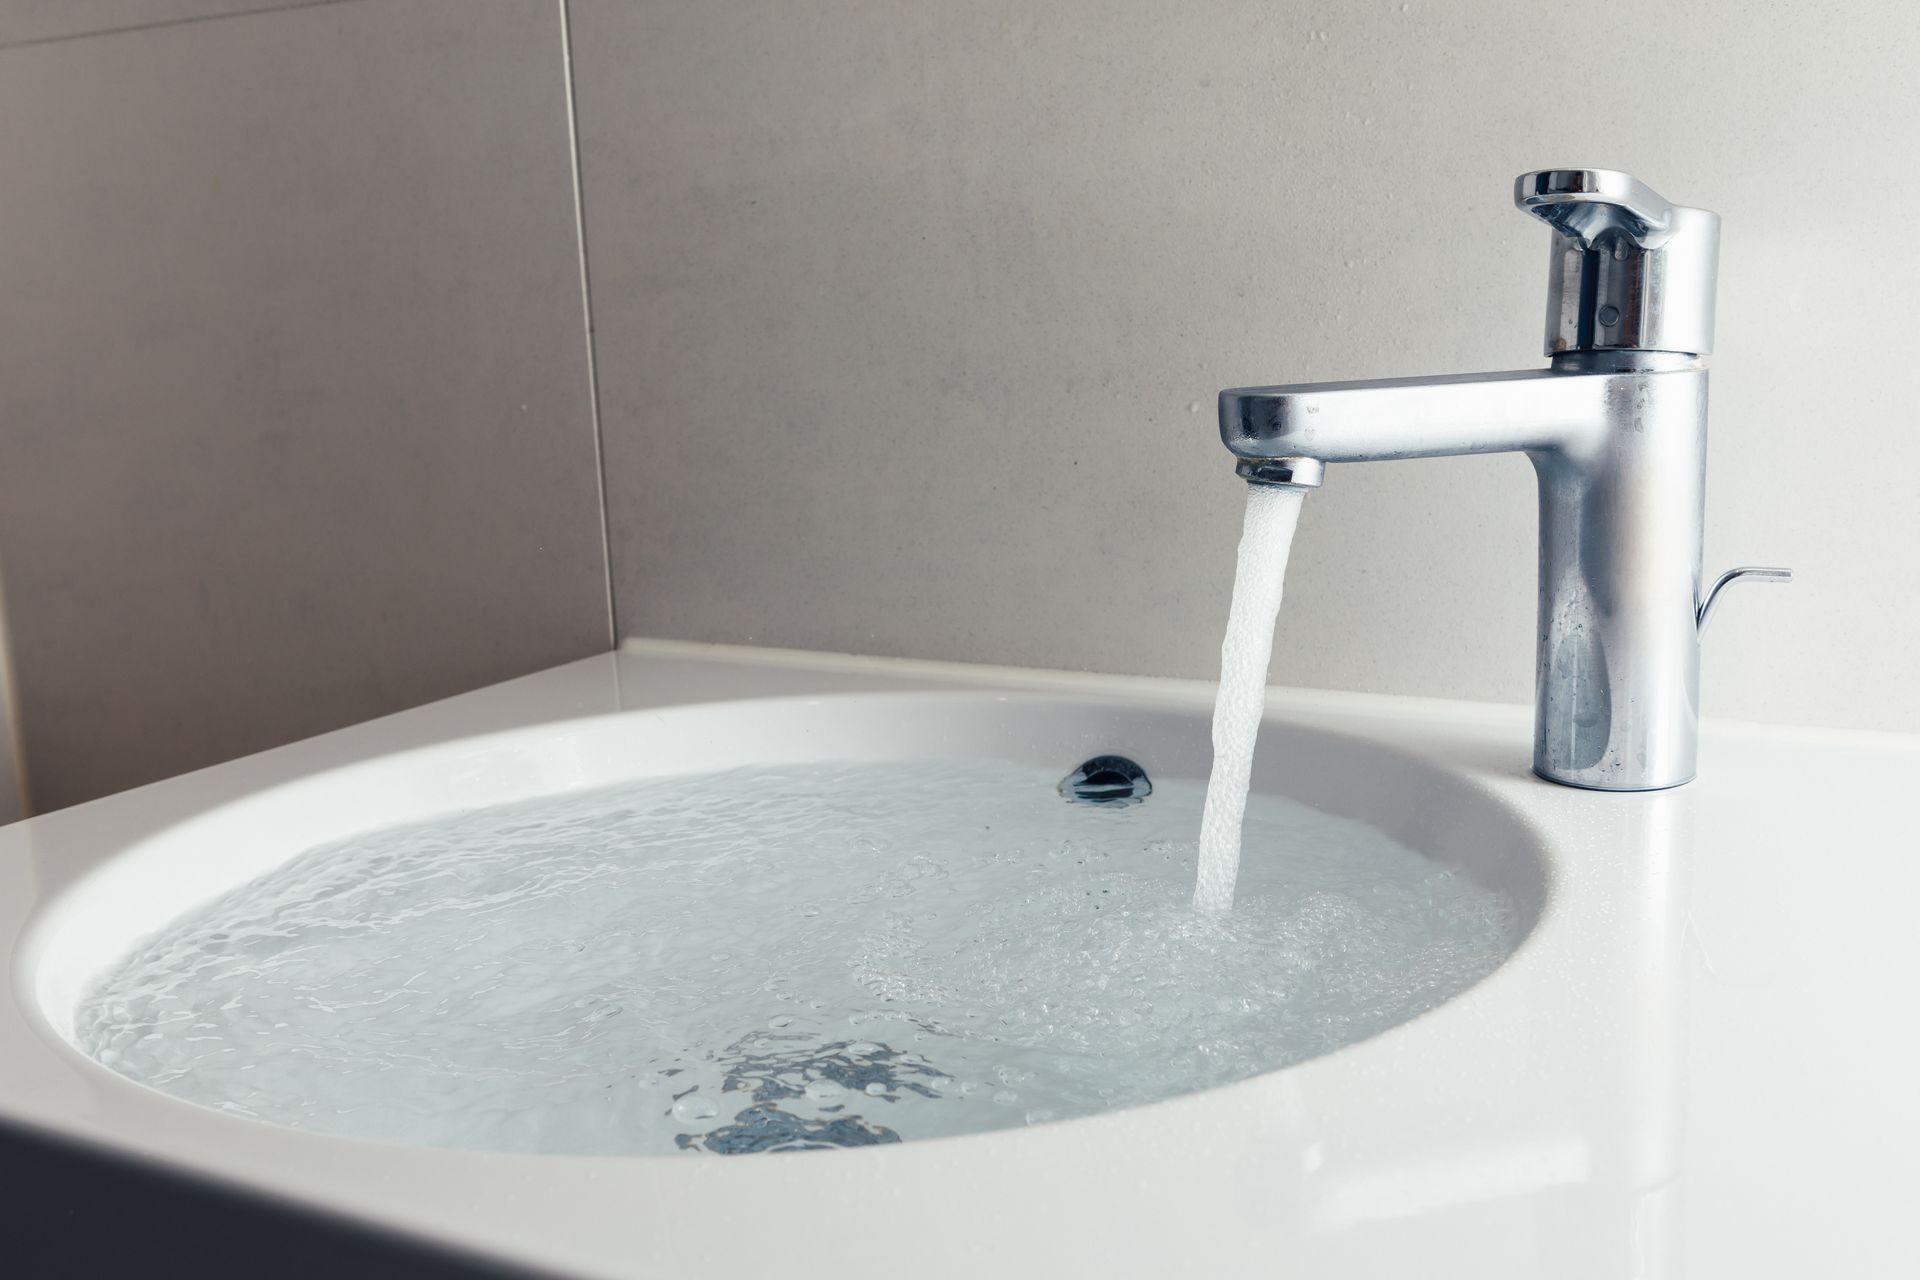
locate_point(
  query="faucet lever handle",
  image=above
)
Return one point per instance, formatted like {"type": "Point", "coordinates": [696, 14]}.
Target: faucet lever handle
{"type": "Point", "coordinates": [1629, 271]}
{"type": "Point", "coordinates": [1583, 204]}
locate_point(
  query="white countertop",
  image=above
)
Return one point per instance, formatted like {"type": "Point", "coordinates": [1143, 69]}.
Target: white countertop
{"type": "Point", "coordinates": [1701, 1063]}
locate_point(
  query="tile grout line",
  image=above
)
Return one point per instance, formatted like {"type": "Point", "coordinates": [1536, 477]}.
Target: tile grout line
{"type": "Point", "coordinates": [586, 310]}
{"type": "Point", "coordinates": [13, 741]}
{"type": "Point", "coordinates": [190, 20]}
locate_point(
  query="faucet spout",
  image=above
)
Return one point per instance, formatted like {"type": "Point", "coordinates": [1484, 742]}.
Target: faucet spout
{"type": "Point", "coordinates": [1527, 410]}
{"type": "Point", "coordinates": [1618, 443]}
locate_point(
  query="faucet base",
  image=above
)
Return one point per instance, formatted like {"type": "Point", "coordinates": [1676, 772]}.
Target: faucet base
{"type": "Point", "coordinates": [1587, 784]}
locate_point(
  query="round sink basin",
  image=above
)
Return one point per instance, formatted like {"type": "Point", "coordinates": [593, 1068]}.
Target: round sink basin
{"type": "Point", "coordinates": [919, 1052]}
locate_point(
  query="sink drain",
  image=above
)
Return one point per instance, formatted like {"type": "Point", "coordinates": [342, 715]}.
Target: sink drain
{"type": "Point", "coordinates": [1107, 780]}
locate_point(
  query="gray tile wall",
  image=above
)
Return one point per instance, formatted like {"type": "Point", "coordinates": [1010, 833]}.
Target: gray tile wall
{"type": "Point", "coordinates": [295, 418]}
{"type": "Point", "coordinates": [910, 319]}
{"type": "Point", "coordinates": [13, 789]}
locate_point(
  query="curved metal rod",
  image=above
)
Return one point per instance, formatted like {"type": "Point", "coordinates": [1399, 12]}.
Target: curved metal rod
{"type": "Point", "coordinates": [1756, 573]}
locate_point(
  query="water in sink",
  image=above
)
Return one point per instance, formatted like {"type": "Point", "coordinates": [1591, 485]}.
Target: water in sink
{"type": "Point", "coordinates": [781, 958]}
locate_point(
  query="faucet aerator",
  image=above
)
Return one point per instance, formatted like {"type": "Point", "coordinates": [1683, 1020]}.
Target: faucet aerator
{"type": "Point", "coordinates": [1286, 473]}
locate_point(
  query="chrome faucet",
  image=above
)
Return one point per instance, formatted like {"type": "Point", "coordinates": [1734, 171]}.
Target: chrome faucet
{"type": "Point", "coordinates": [1616, 427]}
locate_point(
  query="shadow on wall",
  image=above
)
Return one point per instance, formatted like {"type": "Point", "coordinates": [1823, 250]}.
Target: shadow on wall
{"type": "Point", "coordinates": [13, 780]}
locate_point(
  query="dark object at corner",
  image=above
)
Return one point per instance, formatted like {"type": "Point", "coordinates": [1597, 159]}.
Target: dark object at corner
{"type": "Point", "coordinates": [70, 1210]}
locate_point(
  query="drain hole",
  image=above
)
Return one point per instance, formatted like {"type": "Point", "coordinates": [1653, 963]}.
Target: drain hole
{"type": "Point", "coordinates": [1107, 780]}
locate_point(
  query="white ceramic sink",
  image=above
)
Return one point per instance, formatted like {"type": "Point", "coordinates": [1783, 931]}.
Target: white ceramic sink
{"type": "Point", "coordinates": [1686, 1068]}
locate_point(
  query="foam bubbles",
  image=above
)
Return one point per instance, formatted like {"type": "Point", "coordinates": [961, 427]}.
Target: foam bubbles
{"type": "Point", "coordinates": [695, 1107]}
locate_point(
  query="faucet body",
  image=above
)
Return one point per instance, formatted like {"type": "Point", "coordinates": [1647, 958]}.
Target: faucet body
{"type": "Point", "coordinates": [1617, 435]}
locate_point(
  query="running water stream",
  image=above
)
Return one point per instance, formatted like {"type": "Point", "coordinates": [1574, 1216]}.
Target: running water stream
{"type": "Point", "coordinates": [1259, 578]}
